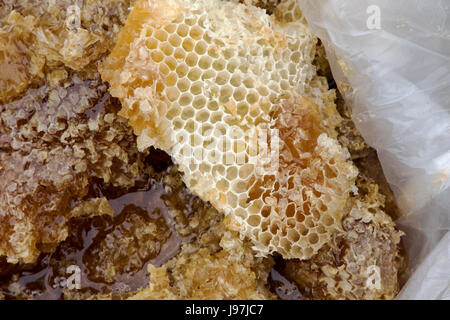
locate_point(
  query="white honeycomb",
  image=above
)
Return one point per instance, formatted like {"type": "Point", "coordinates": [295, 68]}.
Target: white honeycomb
{"type": "Point", "coordinates": [203, 81]}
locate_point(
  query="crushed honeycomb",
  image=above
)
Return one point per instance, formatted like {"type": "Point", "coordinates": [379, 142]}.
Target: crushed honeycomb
{"type": "Point", "coordinates": [362, 263]}
{"type": "Point", "coordinates": [141, 238]}
{"type": "Point", "coordinates": [187, 82]}
{"type": "Point", "coordinates": [53, 142]}
{"type": "Point", "coordinates": [348, 134]}
{"type": "Point", "coordinates": [148, 226]}
{"type": "Point", "coordinates": [44, 40]}
{"type": "Point", "coordinates": [92, 207]}
{"type": "Point", "coordinates": [364, 157]}
{"type": "Point", "coordinates": [218, 266]}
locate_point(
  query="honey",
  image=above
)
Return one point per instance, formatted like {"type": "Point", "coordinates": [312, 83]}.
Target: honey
{"type": "Point", "coordinates": [150, 223]}
{"type": "Point", "coordinates": [80, 190]}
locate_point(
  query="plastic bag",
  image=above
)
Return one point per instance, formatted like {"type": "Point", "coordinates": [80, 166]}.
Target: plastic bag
{"type": "Point", "coordinates": [391, 61]}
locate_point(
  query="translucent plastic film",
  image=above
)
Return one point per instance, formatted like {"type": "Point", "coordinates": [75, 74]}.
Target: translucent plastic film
{"type": "Point", "coordinates": [391, 61]}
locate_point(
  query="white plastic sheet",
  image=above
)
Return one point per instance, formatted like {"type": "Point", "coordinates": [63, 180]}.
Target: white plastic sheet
{"type": "Point", "coordinates": [391, 60]}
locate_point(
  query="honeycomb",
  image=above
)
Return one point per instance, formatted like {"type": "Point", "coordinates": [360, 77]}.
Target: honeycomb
{"type": "Point", "coordinates": [42, 41]}
{"type": "Point", "coordinates": [362, 263]}
{"type": "Point", "coordinates": [92, 207]}
{"type": "Point", "coordinates": [132, 240]}
{"type": "Point", "coordinates": [200, 79]}
{"type": "Point", "coordinates": [124, 212]}
{"type": "Point", "coordinates": [365, 158]}
{"type": "Point", "coordinates": [371, 173]}
{"type": "Point", "coordinates": [217, 266]}
{"type": "Point", "coordinates": [348, 134]}
{"type": "Point", "coordinates": [53, 143]}
{"type": "Point", "coordinates": [289, 11]}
